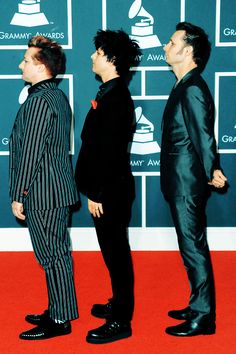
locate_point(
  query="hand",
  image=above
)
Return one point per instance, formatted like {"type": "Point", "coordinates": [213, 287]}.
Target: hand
{"type": "Point", "coordinates": [218, 179]}
{"type": "Point", "coordinates": [17, 209]}
{"type": "Point", "coordinates": [95, 208]}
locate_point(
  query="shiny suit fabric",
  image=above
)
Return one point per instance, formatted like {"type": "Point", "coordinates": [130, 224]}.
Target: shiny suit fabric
{"type": "Point", "coordinates": [41, 178]}
{"type": "Point", "coordinates": [103, 174]}
{"type": "Point", "coordinates": [188, 159]}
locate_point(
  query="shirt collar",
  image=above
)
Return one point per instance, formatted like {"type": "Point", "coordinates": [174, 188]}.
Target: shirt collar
{"type": "Point", "coordinates": [42, 85]}
{"type": "Point", "coordinates": [107, 86]}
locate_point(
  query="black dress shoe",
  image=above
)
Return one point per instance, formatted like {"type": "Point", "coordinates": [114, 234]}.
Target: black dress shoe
{"type": "Point", "coordinates": [191, 328]}
{"type": "Point", "coordinates": [37, 319]}
{"type": "Point", "coordinates": [102, 311]}
{"type": "Point", "coordinates": [46, 331]}
{"type": "Point", "coordinates": [185, 314]}
{"type": "Point", "coordinates": [109, 332]}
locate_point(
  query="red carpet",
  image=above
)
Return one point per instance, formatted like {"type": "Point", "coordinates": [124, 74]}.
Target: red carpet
{"type": "Point", "coordinates": [161, 285]}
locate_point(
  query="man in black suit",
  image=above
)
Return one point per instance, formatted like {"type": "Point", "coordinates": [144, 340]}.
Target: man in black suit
{"type": "Point", "coordinates": [189, 163]}
{"type": "Point", "coordinates": [104, 176]}
{"type": "Point", "coordinates": [42, 185]}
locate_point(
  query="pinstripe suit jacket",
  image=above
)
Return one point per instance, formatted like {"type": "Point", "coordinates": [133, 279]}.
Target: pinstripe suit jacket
{"type": "Point", "coordinates": [41, 175]}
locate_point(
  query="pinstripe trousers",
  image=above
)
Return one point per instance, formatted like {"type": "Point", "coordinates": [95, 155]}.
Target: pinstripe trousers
{"type": "Point", "coordinates": [51, 245]}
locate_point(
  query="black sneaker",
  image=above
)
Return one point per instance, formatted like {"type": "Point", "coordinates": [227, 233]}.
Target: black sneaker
{"type": "Point", "coordinates": [109, 332]}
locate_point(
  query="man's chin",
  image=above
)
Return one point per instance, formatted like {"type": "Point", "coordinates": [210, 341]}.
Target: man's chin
{"type": "Point", "coordinates": [168, 63]}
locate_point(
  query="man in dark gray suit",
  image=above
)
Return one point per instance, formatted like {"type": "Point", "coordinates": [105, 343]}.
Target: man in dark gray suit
{"type": "Point", "coordinates": [42, 186]}
{"type": "Point", "coordinates": [189, 163]}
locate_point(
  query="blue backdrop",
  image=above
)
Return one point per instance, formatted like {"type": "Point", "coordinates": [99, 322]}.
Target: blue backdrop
{"type": "Point", "coordinates": [73, 24]}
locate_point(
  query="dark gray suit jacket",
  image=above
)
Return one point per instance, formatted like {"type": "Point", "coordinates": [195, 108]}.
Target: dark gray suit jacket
{"type": "Point", "coordinates": [41, 175]}
{"type": "Point", "coordinates": [188, 150]}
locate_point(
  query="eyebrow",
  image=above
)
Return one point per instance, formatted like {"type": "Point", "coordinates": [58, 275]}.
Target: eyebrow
{"type": "Point", "coordinates": [28, 58]}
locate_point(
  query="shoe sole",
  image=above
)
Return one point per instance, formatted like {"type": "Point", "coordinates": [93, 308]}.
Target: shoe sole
{"type": "Point", "coordinates": [42, 338]}
{"type": "Point", "coordinates": [208, 332]}
{"type": "Point", "coordinates": [108, 340]}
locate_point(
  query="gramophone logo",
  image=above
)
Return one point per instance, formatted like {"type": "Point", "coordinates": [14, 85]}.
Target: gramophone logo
{"type": "Point", "coordinates": [143, 143]}
{"type": "Point", "coordinates": [142, 31]}
{"type": "Point", "coordinates": [29, 14]}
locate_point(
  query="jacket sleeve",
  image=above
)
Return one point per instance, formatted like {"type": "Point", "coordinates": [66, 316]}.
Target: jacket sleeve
{"type": "Point", "coordinates": [198, 113]}
{"type": "Point", "coordinates": [36, 130]}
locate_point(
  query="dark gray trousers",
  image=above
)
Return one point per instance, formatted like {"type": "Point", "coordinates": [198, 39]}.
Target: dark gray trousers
{"type": "Point", "coordinates": [188, 214]}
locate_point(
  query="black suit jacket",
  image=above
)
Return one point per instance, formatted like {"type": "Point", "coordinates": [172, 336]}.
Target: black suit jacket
{"type": "Point", "coordinates": [103, 166]}
{"type": "Point", "coordinates": [188, 150]}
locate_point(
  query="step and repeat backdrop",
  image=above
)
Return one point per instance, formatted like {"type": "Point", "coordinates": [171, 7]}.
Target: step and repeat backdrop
{"type": "Point", "coordinates": [73, 23]}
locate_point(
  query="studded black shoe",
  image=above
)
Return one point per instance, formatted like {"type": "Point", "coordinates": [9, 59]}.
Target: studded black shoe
{"type": "Point", "coordinates": [47, 330]}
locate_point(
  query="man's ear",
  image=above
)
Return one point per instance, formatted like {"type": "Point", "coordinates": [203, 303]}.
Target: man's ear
{"type": "Point", "coordinates": [113, 59]}
{"type": "Point", "coordinates": [189, 50]}
{"type": "Point", "coordinates": [41, 68]}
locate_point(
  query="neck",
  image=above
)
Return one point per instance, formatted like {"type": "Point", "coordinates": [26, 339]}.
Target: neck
{"type": "Point", "coordinates": [109, 76]}
{"type": "Point", "coordinates": [42, 78]}
{"type": "Point", "coordinates": [182, 70]}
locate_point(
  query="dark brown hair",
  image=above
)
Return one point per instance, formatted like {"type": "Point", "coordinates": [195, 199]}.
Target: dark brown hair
{"type": "Point", "coordinates": [50, 54]}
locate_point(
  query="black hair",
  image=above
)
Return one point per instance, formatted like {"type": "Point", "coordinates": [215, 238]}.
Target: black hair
{"type": "Point", "coordinates": [119, 48]}
{"type": "Point", "coordinates": [197, 38]}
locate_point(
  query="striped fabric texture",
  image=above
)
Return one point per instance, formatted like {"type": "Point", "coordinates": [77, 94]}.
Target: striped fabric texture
{"type": "Point", "coordinates": [51, 244]}
{"type": "Point", "coordinates": [41, 175]}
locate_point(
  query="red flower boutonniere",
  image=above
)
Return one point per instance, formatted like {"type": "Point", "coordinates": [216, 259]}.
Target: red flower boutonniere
{"type": "Point", "coordinates": [94, 104]}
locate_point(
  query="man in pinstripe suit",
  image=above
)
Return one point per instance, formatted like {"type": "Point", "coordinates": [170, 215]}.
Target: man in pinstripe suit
{"type": "Point", "coordinates": [42, 186]}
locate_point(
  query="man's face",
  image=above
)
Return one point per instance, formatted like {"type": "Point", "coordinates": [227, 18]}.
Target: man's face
{"type": "Point", "coordinates": [30, 67]}
{"type": "Point", "coordinates": [175, 49]}
{"type": "Point", "coordinates": [100, 63]}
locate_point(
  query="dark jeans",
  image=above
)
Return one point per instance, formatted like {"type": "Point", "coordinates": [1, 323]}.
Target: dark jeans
{"type": "Point", "coordinates": [111, 229]}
